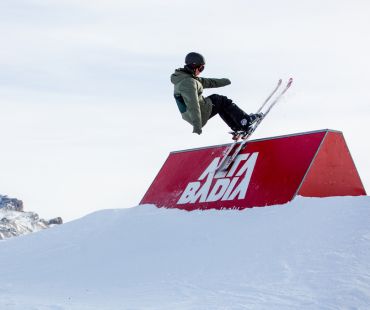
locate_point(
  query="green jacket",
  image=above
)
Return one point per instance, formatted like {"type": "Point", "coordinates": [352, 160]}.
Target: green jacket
{"type": "Point", "coordinates": [188, 90]}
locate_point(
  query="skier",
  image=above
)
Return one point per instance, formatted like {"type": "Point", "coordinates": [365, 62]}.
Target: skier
{"type": "Point", "coordinates": [197, 110]}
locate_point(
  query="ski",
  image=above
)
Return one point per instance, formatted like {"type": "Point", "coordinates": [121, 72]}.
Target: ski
{"type": "Point", "coordinates": [270, 96]}
{"type": "Point", "coordinates": [238, 135]}
{"type": "Point", "coordinates": [227, 160]}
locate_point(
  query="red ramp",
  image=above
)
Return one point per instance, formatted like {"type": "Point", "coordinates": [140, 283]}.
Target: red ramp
{"type": "Point", "coordinates": [267, 172]}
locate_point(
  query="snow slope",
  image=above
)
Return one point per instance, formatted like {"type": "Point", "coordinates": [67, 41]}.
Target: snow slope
{"type": "Point", "coordinates": [309, 254]}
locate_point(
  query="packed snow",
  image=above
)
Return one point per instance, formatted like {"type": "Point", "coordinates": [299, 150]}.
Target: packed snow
{"type": "Point", "coordinates": [311, 253]}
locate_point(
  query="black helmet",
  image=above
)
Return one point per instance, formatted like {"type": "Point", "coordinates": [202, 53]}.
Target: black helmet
{"type": "Point", "coordinates": [194, 59]}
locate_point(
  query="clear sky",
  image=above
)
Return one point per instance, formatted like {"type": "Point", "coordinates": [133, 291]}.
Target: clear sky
{"type": "Point", "coordinates": [87, 115]}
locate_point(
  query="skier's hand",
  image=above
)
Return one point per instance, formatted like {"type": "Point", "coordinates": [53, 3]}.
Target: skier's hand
{"type": "Point", "coordinates": [197, 130]}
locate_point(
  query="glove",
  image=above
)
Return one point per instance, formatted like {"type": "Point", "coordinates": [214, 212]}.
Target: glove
{"type": "Point", "coordinates": [197, 130]}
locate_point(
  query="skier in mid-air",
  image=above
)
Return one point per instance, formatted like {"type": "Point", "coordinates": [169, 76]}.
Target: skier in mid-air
{"type": "Point", "coordinates": [196, 109]}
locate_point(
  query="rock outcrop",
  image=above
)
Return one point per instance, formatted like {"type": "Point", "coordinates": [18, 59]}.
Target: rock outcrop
{"type": "Point", "coordinates": [14, 221]}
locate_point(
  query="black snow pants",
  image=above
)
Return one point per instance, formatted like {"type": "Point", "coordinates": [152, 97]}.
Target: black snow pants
{"type": "Point", "coordinates": [230, 113]}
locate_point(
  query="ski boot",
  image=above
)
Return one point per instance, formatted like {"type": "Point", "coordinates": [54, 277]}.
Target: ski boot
{"type": "Point", "coordinates": [247, 123]}
{"type": "Point", "coordinates": [253, 118]}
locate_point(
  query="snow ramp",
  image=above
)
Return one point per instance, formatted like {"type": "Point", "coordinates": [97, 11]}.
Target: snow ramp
{"type": "Point", "coordinates": [267, 172]}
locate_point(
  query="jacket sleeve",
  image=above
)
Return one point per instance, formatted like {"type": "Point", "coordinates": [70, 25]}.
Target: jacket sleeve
{"type": "Point", "coordinates": [188, 90]}
{"type": "Point", "coordinates": [212, 83]}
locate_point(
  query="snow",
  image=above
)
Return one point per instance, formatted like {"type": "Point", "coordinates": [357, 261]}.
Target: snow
{"type": "Point", "coordinates": [311, 253]}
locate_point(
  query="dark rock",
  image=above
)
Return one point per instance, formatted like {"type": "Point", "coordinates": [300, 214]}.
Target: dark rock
{"type": "Point", "coordinates": [11, 203]}
{"type": "Point", "coordinates": [55, 221]}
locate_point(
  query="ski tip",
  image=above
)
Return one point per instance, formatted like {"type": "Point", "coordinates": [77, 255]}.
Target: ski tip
{"type": "Point", "coordinates": [290, 81]}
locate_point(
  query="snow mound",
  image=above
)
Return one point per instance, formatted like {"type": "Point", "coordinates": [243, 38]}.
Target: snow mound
{"type": "Point", "coordinates": [308, 254]}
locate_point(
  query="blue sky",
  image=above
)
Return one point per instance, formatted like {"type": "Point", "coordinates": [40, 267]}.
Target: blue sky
{"type": "Point", "coordinates": [87, 115]}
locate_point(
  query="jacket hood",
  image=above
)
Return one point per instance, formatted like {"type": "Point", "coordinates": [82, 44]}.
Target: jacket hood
{"type": "Point", "coordinates": [180, 74]}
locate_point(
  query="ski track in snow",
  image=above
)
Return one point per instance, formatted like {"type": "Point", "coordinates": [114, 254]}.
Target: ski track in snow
{"type": "Point", "coordinates": [311, 253]}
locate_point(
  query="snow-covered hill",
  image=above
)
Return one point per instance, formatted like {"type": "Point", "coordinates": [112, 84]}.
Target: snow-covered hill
{"type": "Point", "coordinates": [308, 254]}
